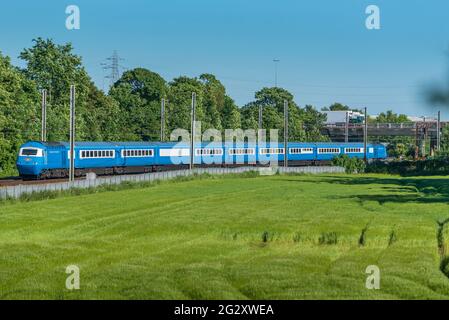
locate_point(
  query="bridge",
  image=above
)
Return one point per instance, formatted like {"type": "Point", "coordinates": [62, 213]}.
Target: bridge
{"type": "Point", "coordinates": [421, 131]}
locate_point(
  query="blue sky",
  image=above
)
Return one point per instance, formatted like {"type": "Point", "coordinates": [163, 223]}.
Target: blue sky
{"type": "Point", "coordinates": [326, 52]}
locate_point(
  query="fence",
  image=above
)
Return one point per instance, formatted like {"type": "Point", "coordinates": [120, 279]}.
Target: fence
{"type": "Point", "coordinates": [19, 190]}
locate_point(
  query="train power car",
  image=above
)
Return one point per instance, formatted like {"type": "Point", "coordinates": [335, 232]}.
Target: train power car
{"type": "Point", "coordinates": [52, 159]}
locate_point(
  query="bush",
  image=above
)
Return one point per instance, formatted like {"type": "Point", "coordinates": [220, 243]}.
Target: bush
{"type": "Point", "coordinates": [401, 150]}
{"type": "Point", "coordinates": [297, 237]}
{"type": "Point", "coordinates": [362, 239]}
{"type": "Point", "coordinates": [392, 238]}
{"type": "Point", "coordinates": [351, 165]}
{"type": "Point", "coordinates": [266, 236]}
{"type": "Point", "coordinates": [328, 238]}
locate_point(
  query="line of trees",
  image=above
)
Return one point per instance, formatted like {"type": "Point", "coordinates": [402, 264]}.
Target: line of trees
{"type": "Point", "coordinates": [131, 108]}
{"type": "Point", "coordinates": [130, 111]}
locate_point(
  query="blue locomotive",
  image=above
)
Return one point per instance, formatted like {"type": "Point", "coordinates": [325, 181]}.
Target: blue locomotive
{"type": "Point", "coordinates": [52, 159]}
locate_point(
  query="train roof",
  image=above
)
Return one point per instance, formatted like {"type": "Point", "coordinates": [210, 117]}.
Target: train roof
{"type": "Point", "coordinates": [96, 143]}
{"type": "Point", "coordinates": [99, 144]}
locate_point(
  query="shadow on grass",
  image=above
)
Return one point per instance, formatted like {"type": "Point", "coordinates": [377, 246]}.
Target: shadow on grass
{"type": "Point", "coordinates": [398, 190]}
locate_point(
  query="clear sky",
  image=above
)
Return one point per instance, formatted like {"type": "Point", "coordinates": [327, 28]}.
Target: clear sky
{"type": "Point", "coordinates": [326, 53]}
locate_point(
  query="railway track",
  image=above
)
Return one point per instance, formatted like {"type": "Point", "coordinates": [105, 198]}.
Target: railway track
{"type": "Point", "coordinates": [15, 181]}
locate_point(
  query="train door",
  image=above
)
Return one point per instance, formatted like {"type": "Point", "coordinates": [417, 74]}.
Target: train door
{"type": "Point", "coordinates": [123, 158]}
{"type": "Point", "coordinates": [373, 152]}
{"type": "Point", "coordinates": [55, 157]}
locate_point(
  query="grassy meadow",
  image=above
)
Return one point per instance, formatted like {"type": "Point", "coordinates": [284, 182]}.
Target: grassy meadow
{"type": "Point", "coordinates": [267, 237]}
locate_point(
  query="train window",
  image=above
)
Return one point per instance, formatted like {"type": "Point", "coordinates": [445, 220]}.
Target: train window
{"type": "Point", "coordinates": [271, 150]}
{"type": "Point", "coordinates": [241, 151]}
{"type": "Point", "coordinates": [97, 154]}
{"type": "Point", "coordinates": [353, 150]}
{"type": "Point", "coordinates": [328, 150]}
{"type": "Point", "coordinates": [174, 152]}
{"type": "Point", "coordinates": [29, 152]}
{"type": "Point", "coordinates": [301, 150]}
{"type": "Point", "coordinates": [295, 150]}
{"type": "Point", "coordinates": [209, 152]}
{"type": "Point", "coordinates": [134, 153]}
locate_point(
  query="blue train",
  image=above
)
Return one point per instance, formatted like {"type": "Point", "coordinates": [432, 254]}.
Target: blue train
{"type": "Point", "coordinates": [51, 159]}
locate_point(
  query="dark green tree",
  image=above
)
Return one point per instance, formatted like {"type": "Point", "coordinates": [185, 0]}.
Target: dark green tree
{"type": "Point", "coordinates": [313, 122]}
{"type": "Point", "coordinates": [390, 117]}
{"type": "Point", "coordinates": [340, 107]}
{"type": "Point", "coordinates": [19, 113]}
{"type": "Point", "coordinates": [180, 97]}
{"type": "Point", "coordinates": [138, 93]}
{"type": "Point", "coordinates": [272, 102]}
{"type": "Point", "coordinates": [103, 117]}
{"type": "Point", "coordinates": [214, 94]}
{"type": "Point", "coordinates": [230, 115]}
{"type": "Point", "coordinates": [55, 67]}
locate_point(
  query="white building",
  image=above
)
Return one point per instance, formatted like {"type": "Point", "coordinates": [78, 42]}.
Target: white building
{"type": "Point", "coordinates": [340, 117]}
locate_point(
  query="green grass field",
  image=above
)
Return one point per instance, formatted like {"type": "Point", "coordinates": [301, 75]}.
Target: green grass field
{"type": "Point", "coordinates": [203, 239]}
